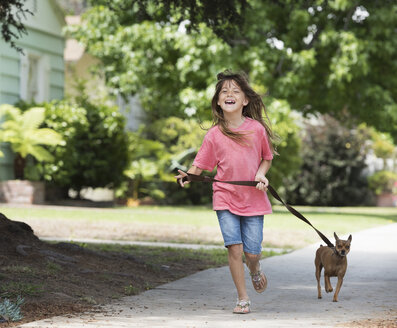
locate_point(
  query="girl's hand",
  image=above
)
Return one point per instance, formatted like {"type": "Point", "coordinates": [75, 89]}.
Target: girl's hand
{"type": "Point", "coordinates": [179, 178]}
{"type": "Point", "coordinates": [263, 182]}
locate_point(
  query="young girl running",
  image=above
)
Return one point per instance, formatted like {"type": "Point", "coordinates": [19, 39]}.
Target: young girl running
{"type": "Point", "coordinates": [239, 146]}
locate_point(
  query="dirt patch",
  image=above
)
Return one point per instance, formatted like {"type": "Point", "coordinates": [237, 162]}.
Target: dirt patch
{"type": "Point", "coordinates": [62, 278]}
{"type": "Point", "coordinates": [389, 321]}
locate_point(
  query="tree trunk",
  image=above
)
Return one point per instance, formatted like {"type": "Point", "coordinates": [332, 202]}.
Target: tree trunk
{"type": "Point", "coordinates": [19, 167]}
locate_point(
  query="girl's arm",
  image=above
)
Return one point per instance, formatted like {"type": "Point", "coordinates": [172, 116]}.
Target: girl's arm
{"type": "Point", "coordinates": [261, 175]}
{"type": "Point", "coordinates": [193, 170]}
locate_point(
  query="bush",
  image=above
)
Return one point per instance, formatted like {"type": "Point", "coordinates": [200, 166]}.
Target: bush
{"type": "Point", "coordinates": [10, 311]}
{"type": "Point", "coordinates": [333, 164]}
{"type": "Point", "coordinates": [383, 182]}
{"type": "Point", "coordinates": [157, 152]}
{"type": "Point", "coordinates": [95, 154]}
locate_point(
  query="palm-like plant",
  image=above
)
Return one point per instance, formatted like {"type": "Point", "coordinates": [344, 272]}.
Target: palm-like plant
{"type": "Point", "coordinates": [23, 132]}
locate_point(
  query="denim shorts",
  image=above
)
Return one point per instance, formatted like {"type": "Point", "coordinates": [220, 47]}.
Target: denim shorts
{"type": "Point", "coordinates": [246, 230]}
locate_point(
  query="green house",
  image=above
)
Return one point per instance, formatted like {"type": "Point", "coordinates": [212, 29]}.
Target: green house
{"type": "Point", "coordinates": [37, 74]}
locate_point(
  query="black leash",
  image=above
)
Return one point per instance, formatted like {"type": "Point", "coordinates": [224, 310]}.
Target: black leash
{"type": "Point", "coordinates": [204, 178]}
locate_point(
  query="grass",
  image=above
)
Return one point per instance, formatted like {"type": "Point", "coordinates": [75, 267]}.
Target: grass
{"type": "Point", "coordinates": [162, 256]}
{"type": "Point", "coordinates": [53, 268]}
{"type": "Point", "coordinates": [195, 224]}
{"type": "Point", "coordinates": [14, 289]}
{"type": "Point", "coordinates": [343, 219]}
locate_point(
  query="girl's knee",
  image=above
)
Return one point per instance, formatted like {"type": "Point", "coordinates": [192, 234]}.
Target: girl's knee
{"type": "Point", "coordinates": [252, 257]}
{"type": "Point", "coordinates": [236, 251]}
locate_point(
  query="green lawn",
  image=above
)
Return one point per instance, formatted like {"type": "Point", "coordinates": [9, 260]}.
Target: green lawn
{"type": "Point", "coordinates": [343, 220]}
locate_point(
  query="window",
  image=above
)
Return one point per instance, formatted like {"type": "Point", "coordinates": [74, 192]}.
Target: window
{"type": "Point", "coordinates": [34, 77]}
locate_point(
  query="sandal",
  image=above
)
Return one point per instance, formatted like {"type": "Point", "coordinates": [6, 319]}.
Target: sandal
{"type": "Point", "coordinates": [242, 307]}
{"type": "Point", "coordinates": [256, 280]}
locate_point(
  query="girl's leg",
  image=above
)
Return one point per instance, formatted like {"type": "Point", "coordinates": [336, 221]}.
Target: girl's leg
{"type": "Point", "coordinates": [252, 235]}
{"type": "Point", "coordinates": [231, 231]}
{"type": "Point", "coordinates": [236, 266]}
{"type": "Point", "coordinates": [252, 261]}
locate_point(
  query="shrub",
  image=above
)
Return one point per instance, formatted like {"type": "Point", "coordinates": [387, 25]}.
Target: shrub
{"type": "Point", "coordinates": [10, 311]}
{"type": "Point", "coordinates": [22, 131]}
{"type": "Point", "coordinates": [156, 153]}
{"type": "Point", "coordinates": [95, 153]}
{"type": "Point", "coordinates": [333, 164]}
{"type": "Point", "coordinates": [383, 182]}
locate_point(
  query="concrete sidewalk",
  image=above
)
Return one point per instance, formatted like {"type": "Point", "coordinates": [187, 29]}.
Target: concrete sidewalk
{"type": "Point", "coordinates": [207, 298]}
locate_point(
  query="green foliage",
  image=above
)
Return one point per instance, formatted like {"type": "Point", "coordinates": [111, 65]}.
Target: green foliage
{"type": "Point", "coordinates": [383, 182]}
{"type": "Point", "coordinates": [156, 152]}
{"type": "Point", "coordinates": [329, 58]}
{"type": "Point", "coordinates": [224, 17]}
{"type": "Point", "coordinates": [131, 290]}
{"type": "Point", "coordinates": [10, 311]}
{"type": "Point", "coordinates": [147, 162]}
{"type": "Point", "coordinates": [321, 56]}
{"type": "Point", "coordinates": [314, 56]}
{"type": "Point", "coordinates": [382, 145]}
{"type": "Point", "coordinates": [95, 153]}
{"type": "Point", "coordinates": [13, 289]}
{"type": "Point", "coordinates": [168, 68]}
{"type": "Point", "coordinates": [181, 139]}
{"type": "Point", "coordinates": [23, 132]}
{"type": "Point", "coordinates": [332, 170]}
{"type": "Point", "coordinates": [288, 146]}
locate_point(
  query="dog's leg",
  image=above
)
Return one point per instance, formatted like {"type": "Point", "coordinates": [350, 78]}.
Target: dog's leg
{"type": "Point", "coordinates": [337, 288]}
{"type": "Point", "coordinates": [319, 267]}
{"type": "Point", "coordinates": [327, 282]}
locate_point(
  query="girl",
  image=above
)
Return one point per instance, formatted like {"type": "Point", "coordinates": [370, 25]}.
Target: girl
{"type": "Point", "coordinates": [238, 144]}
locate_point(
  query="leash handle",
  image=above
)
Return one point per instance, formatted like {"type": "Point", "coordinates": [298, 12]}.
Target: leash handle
{"type": "Point", "coordinates": [204, 178]}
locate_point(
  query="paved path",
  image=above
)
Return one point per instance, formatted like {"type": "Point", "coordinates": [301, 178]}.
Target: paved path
{"type": "Point", "coordinates": [205, 299]}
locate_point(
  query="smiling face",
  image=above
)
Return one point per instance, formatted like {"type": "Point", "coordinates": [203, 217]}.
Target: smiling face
{"type": "Point", "coordinates": [231, 98]}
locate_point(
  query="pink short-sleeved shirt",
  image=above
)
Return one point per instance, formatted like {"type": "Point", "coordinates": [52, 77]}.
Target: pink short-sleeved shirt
{"type": "Point", "coordinates": [236, 162]}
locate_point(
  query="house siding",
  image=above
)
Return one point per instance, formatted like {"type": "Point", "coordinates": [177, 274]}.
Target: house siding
{"type": "Point", "coordinates": [44, 38]}
{"type": "Point", "coordinates": [38, 43]}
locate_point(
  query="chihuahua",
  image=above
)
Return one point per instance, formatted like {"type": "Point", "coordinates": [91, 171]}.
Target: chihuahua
{"type": "Point", "coordinates": [335, 264]}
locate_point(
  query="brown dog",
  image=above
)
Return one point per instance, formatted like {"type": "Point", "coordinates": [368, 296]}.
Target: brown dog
{"type": "Point", "coordinates": [335, 264]}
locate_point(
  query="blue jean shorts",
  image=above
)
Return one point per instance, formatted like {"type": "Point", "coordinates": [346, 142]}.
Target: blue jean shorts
{"type": "Point", "coordinates": [246, 230]}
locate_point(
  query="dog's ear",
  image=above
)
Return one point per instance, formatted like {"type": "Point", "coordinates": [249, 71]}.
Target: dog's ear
{"type": "Point", "coordinates": [336, 236]}
{"type": "Point", "coordinates": [349, 239]}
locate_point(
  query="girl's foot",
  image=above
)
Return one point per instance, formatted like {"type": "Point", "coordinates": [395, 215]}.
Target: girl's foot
{"type": "Point", "coordinates": [259, 281]}
{"type": "Point", "coordinates": [242, 307]}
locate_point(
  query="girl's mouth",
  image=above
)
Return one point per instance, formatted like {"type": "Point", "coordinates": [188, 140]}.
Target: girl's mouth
{"type": "Point", "coordinates": [230, 102]}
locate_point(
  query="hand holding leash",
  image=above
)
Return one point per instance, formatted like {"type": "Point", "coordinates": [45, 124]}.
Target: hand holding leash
{"type": "Point", "coordinates": [263, 182]}
{"type": "Point", "coordinates": [180, 178]}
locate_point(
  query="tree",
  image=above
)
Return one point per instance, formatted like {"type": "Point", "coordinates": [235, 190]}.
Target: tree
{"type": "Point", "coordinates": [23, 132]}
{"type": "Point", "coordinates": [336, 56]}
{"type": "Point", "coordinates": [223, 17]}
{"type": "Point", "coordinates": [11, 13]}
{"type": "Point", "coordinates": [169, 69]}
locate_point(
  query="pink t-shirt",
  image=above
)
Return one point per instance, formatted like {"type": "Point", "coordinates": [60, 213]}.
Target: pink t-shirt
{"type": "Point", "coordinates": [236, 162]}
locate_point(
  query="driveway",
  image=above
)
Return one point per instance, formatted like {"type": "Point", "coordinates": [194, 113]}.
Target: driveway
{"type": "Point", "coordinates": [206, 299]}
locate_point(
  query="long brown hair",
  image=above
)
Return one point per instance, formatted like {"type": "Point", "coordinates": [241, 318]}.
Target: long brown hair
{"type": "Point", "coordinates": [253, 109]}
